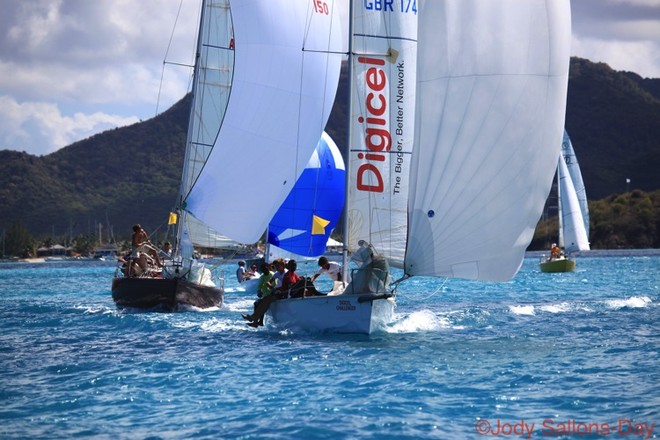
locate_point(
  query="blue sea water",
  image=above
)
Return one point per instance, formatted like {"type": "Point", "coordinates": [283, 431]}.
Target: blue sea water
{"type": "Point", "coordinates": [570, 355]}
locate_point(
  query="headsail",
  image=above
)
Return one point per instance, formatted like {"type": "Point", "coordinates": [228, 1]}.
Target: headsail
{"type": "Point", "coordinates": [491, 98]}
{"type": "Point", "coordinates": [312, 209]}
{"type": "Point", "coordinates": [285, 74]}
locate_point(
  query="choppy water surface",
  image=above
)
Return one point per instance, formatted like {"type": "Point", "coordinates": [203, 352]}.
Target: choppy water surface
{"type": "Point", "coordinates": [545, 355]}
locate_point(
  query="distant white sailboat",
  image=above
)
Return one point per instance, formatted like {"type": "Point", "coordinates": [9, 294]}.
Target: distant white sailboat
{"type": "Point", "coordinates": [452, 122]}
{"type": "Point", "coordinates": [573, 212]}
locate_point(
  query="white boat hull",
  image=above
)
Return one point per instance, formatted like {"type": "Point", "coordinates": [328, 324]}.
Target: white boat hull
{"type": "Point", "coordinates": [347, 313]}
{"type": "Point", "coordinates": [250, 286]}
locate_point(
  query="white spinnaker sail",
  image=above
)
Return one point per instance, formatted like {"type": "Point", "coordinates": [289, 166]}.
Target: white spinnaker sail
{"type": "Point", "coordinates": [573, 236]}
{"type": "Point", "coordinates": [287, 57]}
{"type": "Point", "coordinates": [382, 125]}
{"type": "Point", "coordinates": [491, 99]}
{"type": "Point", "coordinates": [578, 183]}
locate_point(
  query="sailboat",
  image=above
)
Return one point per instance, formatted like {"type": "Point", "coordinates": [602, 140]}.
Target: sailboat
{"type": "Point", "coordinates": [262, 92]}
{"type": "Point", "coordinates": [573, 212]}
{"type": "Point", "coordinates": [457, 107]}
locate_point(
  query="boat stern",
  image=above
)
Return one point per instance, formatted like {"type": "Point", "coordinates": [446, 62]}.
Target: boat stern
{"type": "Point", "coordinates": [347, 313]}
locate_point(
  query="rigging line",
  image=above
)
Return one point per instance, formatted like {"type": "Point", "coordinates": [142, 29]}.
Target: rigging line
{"type": "Point", "coordinates": [406, 276]}
{"type": "Point", "coordinates": [155, 231]}
{"type": "Point", "coordinates": [224, 260]}
{"type": "Point", "coordinates": [386, 37]}
{"type": "Point", "coordinates": [436, 290]}
{"type": "Point", "coordinates": [325, 87]}
{"type": "Point", "coordinates": [327, 52]}
{"type": "Point", "coordinates": [167, 51]}
{"type": "Point", "coordinates": [395, 283]}
{"type": "Point", "coordinates": [177, 64]}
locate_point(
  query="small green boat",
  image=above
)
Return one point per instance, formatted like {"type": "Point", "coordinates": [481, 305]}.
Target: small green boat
{"type": "Point", "coordinates": [557, 265]}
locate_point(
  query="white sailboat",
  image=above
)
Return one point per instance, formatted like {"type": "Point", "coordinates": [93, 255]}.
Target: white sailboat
{"type": "Point", "coordinates": [573, 212]}
{"type": "Point", "coordinates": [457, 107]}
{"type": "Point", "coordinates": [262, 92]}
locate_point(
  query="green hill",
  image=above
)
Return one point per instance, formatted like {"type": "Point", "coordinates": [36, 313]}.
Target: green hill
{"type": "Point", "coordinates": [131, 174]}
{"type": "Point", "coordinates": [118, 177]}
{"type": "Point", "coordinates": [613, 119]}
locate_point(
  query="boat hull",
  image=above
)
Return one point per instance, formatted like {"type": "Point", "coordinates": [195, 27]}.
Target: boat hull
{"type": "Point", "coordinates": [167, 294]}
{"type": "Point", "coordinates": [560, 265]}
{"type": "Point", "coordinates": [347, 313]}
{"type": "Point", "coordinates": [250, 286]}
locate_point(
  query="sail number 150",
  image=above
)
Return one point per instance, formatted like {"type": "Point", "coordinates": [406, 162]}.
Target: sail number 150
{"type": "Point", "coordinates": [321, 7]}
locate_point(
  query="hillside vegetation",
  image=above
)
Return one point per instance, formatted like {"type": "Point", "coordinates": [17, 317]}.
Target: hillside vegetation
{"type": "Point", "coordinates": [131, 174]}
{"type": "Point", "coordinates": [620, 221]}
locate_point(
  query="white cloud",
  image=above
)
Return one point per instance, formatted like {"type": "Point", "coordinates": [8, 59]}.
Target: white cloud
{"type": "Point", "coordinates": [40, 128]}
{"type": "Point", "coordinates": [622, 33]}
{"type": "Point", "coordinates": [72, 68]}
{"type": "Point", "coordinates": [642, 58]}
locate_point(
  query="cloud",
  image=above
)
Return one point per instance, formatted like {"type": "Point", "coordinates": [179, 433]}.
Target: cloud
{"type": "Point", "coordinates": [622, 33]}
{"type": "Point", "coordinates": [72, 68]}
{"type": "Point", "coordinates": [40, 128]}
{"type": "Point", "coordinates": [69, 69]}
{"type": "Point", "coordinates": [642, 58]}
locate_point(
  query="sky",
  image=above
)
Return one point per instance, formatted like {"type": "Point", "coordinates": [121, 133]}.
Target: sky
{"type": "Point", "coordinates": [72, 68]}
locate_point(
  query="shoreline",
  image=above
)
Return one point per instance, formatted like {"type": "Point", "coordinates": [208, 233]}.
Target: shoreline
{"type": "Point", "coordinates": [599, 253]}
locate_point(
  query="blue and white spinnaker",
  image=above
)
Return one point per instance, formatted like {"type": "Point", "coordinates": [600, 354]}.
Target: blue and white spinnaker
{"type": "Point", "coordinates": [303, 223]}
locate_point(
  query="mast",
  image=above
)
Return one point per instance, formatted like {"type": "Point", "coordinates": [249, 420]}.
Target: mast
{"type": "Point", "coordinates": [348, 145]}
{"type": "Point", "coordinates": [198, 55]}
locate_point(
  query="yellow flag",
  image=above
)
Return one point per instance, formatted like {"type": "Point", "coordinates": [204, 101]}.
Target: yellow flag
{"type": "Point", "coordinates": [318, 225]}
{"type": "Point", "coordinates": [172, 219]}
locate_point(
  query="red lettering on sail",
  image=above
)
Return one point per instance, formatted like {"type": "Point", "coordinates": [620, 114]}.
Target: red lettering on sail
{"type": "Point", "coordinates": [378, 109]}
{"type": "Point", "coordinates": [364, 171]}
{"type": "Point", "coordinates": [378, 138]}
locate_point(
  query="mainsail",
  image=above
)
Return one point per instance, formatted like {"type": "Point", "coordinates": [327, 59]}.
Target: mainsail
{"type": "Point", "coordinates": [573, 166]}
{"type": "Point", "coordinates": [384, 58]}
{"type": "Point", "coordinates": [283, 80]}
{"type": "Point", "coordinates": [210, 95]}
{"type": "Point", "coordinates": [572, 233]}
